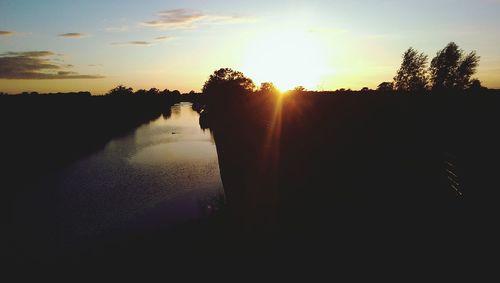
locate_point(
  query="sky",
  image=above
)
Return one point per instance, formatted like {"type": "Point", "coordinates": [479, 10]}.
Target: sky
{"type": "Point", "coordinates": [95, 45]}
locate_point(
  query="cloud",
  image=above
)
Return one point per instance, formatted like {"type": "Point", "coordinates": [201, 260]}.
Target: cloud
{"type": "Point", "coordinates": [178, 18]}
{"type": "Point", "coordinates": [133, 43]}
{"type": "Point", "coordinates": [163, 38]}
{"type": "Point", "coordinates": [35, 65]}
{"type": "Point", "coordinates": [6, 33]}
{"type": "Point", "coordinates": [143, 43]}
{"type": "Point", "coordinates": [230, 19]}
{"type": "Point", "coordinates": [184, 18]}
{"type": "Point", "coordinates": [73, 35]}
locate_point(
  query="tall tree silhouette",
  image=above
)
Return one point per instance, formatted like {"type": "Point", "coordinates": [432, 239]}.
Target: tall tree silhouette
{"type": "Point", "coordinates": [226, 83]}
{"type": "Point", "coordinates": [412, 75]}
{"type": "Point", "coordinates": [452, 69]}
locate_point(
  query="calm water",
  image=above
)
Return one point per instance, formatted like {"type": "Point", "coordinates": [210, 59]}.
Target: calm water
{"type": "Point", "coordinates": [162, 173]}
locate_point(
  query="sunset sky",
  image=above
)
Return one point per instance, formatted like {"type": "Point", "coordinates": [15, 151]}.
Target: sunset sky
{"type": "Point", "coordinates": [94, 45]}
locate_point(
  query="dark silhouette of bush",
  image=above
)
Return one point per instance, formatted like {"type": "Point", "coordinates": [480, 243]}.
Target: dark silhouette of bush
{"type": "Point", "coordinates": [452, 69]}
{"type": "Point", "coordinates": [412, 75]}
{"type": "Point", "coordinates": [385, 86]}
{"type": "Point", "coordinates": [475, 84]}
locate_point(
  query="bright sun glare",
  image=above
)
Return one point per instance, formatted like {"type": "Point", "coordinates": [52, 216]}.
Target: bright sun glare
{"type": "Point", "coordinates": [287, 59]}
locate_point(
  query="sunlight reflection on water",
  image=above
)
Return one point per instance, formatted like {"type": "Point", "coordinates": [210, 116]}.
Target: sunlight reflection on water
{"type": "Point", "coordinates": [158, 175]}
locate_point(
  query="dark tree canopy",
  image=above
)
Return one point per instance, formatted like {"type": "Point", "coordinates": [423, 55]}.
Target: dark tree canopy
{"type": "Point", "coordinates": [121, 90]}
{"type": "Point", "coordinates": [268, 88]}
{"type": "Point", "coordinates": [227, 82]}
{"type": "Point", "coordinates": [412, 75]}
{"type": "Point", "coordinates": [153, 91]}
{"type": "Point", "coordinates": [452, 69]}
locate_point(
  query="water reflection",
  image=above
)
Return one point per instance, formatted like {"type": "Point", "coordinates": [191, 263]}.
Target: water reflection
{"type": "Point", "coordinates": [152, 178]}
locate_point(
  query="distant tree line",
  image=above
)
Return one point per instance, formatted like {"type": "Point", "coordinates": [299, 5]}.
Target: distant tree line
{"type": "Point", "coordinates": [122, 90]}
{"type": "Point", "coordinates": [34, 93]}
{"type": "Point", "coordinates": [450, 70]}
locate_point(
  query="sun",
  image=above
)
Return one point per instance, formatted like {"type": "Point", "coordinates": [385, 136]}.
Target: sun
{"type": "Point", "coordinates": [287, 59]}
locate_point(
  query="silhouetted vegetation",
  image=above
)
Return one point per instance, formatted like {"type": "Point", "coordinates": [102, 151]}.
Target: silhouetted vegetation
{"type": "Point", "coordinates": [121, 90]}
{"type": "Point", "coordinates": [412, 75]}
{"type": "Point", "coordinates": [452, 69]}
{"type": "Point", "coordinates": [225, 85]}
{"type": "Point", "coordinates": [385, 86]}
{"type": "Point", "coordinates": [268, 88]}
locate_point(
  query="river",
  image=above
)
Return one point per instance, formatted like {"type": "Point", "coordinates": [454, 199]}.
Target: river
{"type": "Point", "coordinates": [162, 173]}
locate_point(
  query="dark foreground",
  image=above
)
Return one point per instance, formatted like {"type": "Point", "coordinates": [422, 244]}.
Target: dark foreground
{"type": "Point", "coordinates": [355, 178]}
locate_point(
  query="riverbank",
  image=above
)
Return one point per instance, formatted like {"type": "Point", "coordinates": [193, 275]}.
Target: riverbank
{"type": "Point", "coordinates": [315, 162]}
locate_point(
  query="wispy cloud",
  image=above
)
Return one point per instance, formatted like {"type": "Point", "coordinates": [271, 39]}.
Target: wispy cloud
{"type": "Point", "coordinates": [143, 42]}
{"type": "Point", "coordinates": [184, 18]}
{"type": "Point", "coordinates": [163, 38]}
{"type": "Point", "coordinates": [73, 35]}
{"type": "Point", "coordinates": [133, 43]}
{"type": "Point", "coordinates": [36, 65]}
{"type": "Point", "coordinates": [230, 19]}
{"type": "Point", "coordinates": [6, 33]}
{"type": "Point", "coordinates": [178, 18]}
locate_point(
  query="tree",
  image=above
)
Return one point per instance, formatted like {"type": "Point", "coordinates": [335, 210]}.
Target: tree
{"type": "Point", "coordinates": [452, 69]}
{"type": "Point", "coordinates": [153, 91]}
{"type": "Point", "coordinates": [268, 88]}
{"type": "Point", "coordinates": [412, 75]}
{"type": "Point", "coordinates": [467, 68]}
{"type": "Point", "coordinates": [226, 82]}
{"type": "Point", "coordinates": [120, 90]}
{"type": "Point", "coordinates": [299, 89]}
{"type": "Point", "coordinates": [141, 92]}
{"type": "Point", "coordinates": [385, 86]}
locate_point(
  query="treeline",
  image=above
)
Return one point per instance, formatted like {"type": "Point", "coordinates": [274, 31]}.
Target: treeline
{"type": "Point", "coordinates": [122, 90]}
{"type": "Point", "coordinates": [52, 94]}
{"type": "Point", "coordinates": [450, 70]}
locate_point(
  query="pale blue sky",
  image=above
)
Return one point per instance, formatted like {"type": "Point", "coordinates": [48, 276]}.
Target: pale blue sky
{"type": "Point", "coordinates": [351, 43]}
